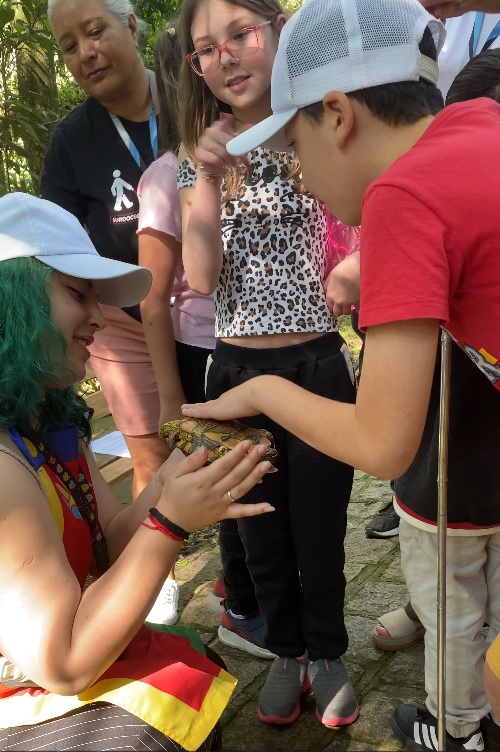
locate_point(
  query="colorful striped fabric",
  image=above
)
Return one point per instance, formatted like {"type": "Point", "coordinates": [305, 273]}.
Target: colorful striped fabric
{"type": "Point", "coordinates": [162, 678]}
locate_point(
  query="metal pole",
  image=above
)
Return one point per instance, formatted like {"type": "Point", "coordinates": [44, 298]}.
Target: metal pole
{"type": "Point", "coordinates": [442, 480]}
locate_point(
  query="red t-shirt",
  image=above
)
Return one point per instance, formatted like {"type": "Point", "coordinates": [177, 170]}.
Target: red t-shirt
{"type": "Point", "coordinates": [430, 245]}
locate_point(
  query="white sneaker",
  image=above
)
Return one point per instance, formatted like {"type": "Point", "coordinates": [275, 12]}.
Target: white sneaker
{"type": "Point", "coordinates": [164, 609]}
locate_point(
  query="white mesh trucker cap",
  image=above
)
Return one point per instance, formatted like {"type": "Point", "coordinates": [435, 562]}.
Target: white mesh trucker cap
{"type": "Point", "coordinates": [31, 226]}
{"type": "Point", "coordinates": [341, 45]}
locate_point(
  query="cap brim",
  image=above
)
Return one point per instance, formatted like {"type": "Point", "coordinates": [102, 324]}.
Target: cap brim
{"type": "Point", "coordinates": [269, 134]}
{"type": "Point", "coordinates": [121, 284]}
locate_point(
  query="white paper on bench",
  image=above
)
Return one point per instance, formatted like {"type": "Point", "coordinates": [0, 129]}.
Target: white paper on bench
{"type": "Point", "coordinates": [111, 443]}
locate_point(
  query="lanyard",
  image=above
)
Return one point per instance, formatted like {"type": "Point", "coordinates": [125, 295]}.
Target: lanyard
{"type": "Point", "coordinates": [153, 131]}
{"type": "Point", "coordinates": [83, 494]}
{"type": "Point", "coordinates": [476, 32]}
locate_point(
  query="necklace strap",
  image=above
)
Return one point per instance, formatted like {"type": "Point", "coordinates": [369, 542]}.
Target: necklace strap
{"type": "Point", "coordinates": [82, 491]}
{"type": "Point", "coordinates": [473, 48]}
{"type": "Point", "coordinates": [153, 131]}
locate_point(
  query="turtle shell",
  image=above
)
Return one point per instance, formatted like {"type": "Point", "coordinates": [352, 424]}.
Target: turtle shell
{"type": "Point", "coordinates": [219, 437]}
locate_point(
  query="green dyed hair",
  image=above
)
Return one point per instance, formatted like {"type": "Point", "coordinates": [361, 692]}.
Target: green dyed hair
{"type": "Point", "coordinates": [33, 355]}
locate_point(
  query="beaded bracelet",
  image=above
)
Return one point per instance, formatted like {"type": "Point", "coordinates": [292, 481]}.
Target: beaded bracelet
{"type": "Point", "coordinates": [165, 526]}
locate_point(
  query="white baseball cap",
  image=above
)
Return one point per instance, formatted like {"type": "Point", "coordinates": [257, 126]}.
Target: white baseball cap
{"type": "Point", "coordinates": [341, 45]}
{"type": "Point", "coordinates": [31, 226]}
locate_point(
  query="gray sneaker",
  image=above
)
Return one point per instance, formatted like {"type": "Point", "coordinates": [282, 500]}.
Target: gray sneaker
{"type": "Point", "coordinates": [335, 699]}
{"type": "Point", "coordinates": [279, 699]}
{"type": "Point", "coordinates": [385, 524]}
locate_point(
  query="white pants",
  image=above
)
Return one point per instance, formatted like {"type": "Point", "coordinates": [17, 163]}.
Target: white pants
{"type": "Point", "coordinates": [472, 598]}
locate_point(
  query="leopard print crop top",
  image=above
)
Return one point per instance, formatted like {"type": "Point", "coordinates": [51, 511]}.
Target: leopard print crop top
{"type": "Point", "coordinates": [275, 254]}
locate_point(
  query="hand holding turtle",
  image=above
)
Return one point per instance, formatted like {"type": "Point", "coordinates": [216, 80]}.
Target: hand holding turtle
{"type": "Point", "coordinates": [194, 496]}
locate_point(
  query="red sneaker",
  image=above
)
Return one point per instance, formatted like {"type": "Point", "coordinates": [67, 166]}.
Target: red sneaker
{"type": "Point", "coordinates": [216, 597]}
{"type": "Point", "coordinates": [247, 634]}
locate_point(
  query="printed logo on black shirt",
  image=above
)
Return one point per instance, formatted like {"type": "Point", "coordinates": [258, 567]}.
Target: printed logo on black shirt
{"type": "Point", "coordinates": [123, 219]}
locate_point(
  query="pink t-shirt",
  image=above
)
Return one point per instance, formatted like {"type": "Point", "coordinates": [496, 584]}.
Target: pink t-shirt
{"type": "Point", "coordinates": [193, 315]}
{"type": "Point", "coordinates": [431, 234]}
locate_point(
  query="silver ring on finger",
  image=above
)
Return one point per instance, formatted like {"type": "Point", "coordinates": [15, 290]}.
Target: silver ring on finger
{"type": "Point", "coordinates": [230, 497]}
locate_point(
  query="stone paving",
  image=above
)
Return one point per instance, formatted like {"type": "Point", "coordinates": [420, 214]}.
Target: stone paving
{"type": "Point", "coordinates": [382, 680]}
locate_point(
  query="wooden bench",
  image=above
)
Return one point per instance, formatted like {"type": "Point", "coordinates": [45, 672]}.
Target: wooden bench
{"type": "Point", "coordinates": [114, 469]}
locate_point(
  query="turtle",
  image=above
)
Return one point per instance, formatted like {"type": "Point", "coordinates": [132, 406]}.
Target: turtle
{"type": "Point", "coordinates": [219, 437]}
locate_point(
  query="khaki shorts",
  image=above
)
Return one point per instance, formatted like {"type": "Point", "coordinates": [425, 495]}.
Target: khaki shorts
{"type": "Point", "coordinates": [121, 362]}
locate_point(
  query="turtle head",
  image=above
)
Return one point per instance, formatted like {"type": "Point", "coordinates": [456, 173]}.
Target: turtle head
{"type": "Point", "coordinates": [170, 431]}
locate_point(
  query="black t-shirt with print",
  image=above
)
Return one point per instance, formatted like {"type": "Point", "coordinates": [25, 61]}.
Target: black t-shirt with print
{"type": "Point", "coordinates": [473, 451]}
{"type": "Point", "coordinates": [89, 171]}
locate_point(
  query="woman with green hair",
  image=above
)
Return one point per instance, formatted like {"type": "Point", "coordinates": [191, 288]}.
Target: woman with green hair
{"type": "Point", "coordinates": [78, 666]}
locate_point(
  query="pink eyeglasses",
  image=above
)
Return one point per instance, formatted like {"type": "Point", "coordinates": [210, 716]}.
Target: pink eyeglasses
{"type": "Point", "coordinates": [240, 45]}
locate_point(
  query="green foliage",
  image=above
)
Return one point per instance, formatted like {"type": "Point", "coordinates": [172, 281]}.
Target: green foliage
{"type": "Point", "coordinates": [152, 10]}
{"type": "Point", "coordinates": [28, 95]}
{"type": "Point", "coordinates": [291, 5]}
{"type": "Point", "coordinates": [157, 14]}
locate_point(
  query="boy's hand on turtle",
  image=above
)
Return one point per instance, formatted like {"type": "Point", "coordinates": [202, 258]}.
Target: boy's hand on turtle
{"type": "Point", "coordinates": [238, 402]}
